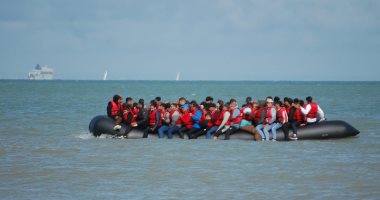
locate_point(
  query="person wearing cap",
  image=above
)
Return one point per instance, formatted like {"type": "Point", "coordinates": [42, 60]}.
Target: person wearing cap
{"type": "Point", "coordinates": [270, 118]}
{"type": "Point", "coordinates": [312, 111]}
{"type": "Point", "coordinates": [186, 122]}
{"type": "Point", "coordinates": [225, 125]}
{"type": "Point", "coordinates": [114, 110]}
{"type": "Point", "coordinates": [246, 124]}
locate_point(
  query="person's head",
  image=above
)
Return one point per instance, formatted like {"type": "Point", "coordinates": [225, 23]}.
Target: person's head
{"type": "Point", "coordinates": [208, 116]}
{"type": "Point", "coordinates": [209, 99]}
{"type": "Point", "coordinates": [153, 105]}
{"type": "Point", "coordinates": [212, 107]}
{"type": "Point", "coordinates": [193, 104]}
{"type": "Point", "coordinates": [296, 102]}
{"type": "Point", "coordinates": [134, 105]}
{"type": "Point", "coordinates": [233, 103]}
{"type": "Point", "coordinates": [302, 102]}
{"type": "Point", "coordinates": [185, 108]}
{"type": "Point", "coordinates": [248, 100]}
{"type": "Point", "coordinates": [129, 101]}
{"type": "Point", "coordinates": [181, 101]}
{"type": "Point", "coordinates": [278, 104]}
{"type": "Point", "coordinates": [203, 105]}
{"type": "Point", "coordinates": [285, 99]}
{"type": "Point", "coordinates": [226, 107]}
{"type": "Point", "coordinates": [269, 102]}
{"type": "Point", "coordinates": [268, 97]}
{"type": "Point", "coordinates": [157, 99]}
{"type": "Point", "coordinates": [276, 98]}
{"type": "Point", "coordinates": [247, 111]}
{"type": "Point", "coordinates": [255, 106]}
{"type": "Point", "coordinates": [173, 106]}
{"type": "Point", "coordinates": [140, 103]}
{"type": "Point", "coordinates": [309, 99]}
{"type": "Point", "coordinates": [117, 99]}
{"type": "Point", "coordinates": [288, 102]}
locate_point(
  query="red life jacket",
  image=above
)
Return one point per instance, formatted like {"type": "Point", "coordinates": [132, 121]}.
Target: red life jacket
{"type": "Point", "coordinates": [257, 116]}
{"type": "Point", "coordinates": [219, 119]}
{"type": "Point", "coordinates": [288, 109]}
{"type": "Point", "coordinates": [280, 116]}
{"type": "Point", "coordinates": [222, 117]}
{"type": "Point", "coordinates": [237, 119]}
{"type": "Point", "coordinates": [116, 108]}
{"type": "Point", "coordinates": [298, 116]}
{"type": "Point", "coordinates": [269, 114]}
{"type": "Point", "coordinates": [152, 118]}
{"type": "Point", "coordinates": [126, 114]}
{"type": "Point", "coordinates": [186, 120]}
{"type": "Point", "coordinates": [244, 116]}
{"type": "Point", "coordinates": [135, 112]}
{"type": "Point", "coordinates": [179, 121]}
{"type": "Point", "coordinates": [313, 111]}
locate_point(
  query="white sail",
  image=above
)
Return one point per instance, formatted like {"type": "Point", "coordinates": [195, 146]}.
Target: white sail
{"type": "Point", "coordinates": [178, 74]}
{"type": "Point", "coordinates": [105, 76]}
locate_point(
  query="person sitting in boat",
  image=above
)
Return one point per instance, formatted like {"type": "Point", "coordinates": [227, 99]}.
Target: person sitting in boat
{"type": "Point", "coordinates": [281, 119]}
{"type": "Point", "coordinates": [312, 111]}
{"type": "Point", "coordinates": [175, 122]}
{"type": "Point", "coordinates": [114, 110]}
{"type": "Point", "coordinates": [268, 123]}
{"type": "Point", "coordinates": [295, 119]}
{"type": "Point", "coordinates": [259, 113]}
{"type": "Point", "coordinates": [196, 116]}
{"type": "Point", "coordinates": [216, 120]}
{"type": "Point", "coordinates": [235, 119]}
{"type": "Point", "coordinates": [155, 120]}
{"type": "Point", "coordinates": [142, 116]}
{"type": "Point", "coordinates": [246, 124]}
{"type": "Point", "coordinates": [165, 116]}
{"type": "Point", "coordinates": [127, 119]}
{"type": "Point", "coordinates": [225, 125]}
{"type": "Point", "coordinates": [205, 125]}
{"type": "Point", "coordinates": [185, 119]}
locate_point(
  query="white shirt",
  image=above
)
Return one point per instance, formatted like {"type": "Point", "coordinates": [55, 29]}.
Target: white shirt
{"type": "Point", "coordinates": [320, 114]}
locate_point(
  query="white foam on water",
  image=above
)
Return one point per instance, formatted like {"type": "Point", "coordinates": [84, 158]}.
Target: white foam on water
{"type": "Point", "coordinates": [85, 136]}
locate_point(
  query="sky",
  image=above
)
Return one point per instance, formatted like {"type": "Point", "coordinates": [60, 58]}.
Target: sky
{"type": "Point", "coordinates": [295, 40]}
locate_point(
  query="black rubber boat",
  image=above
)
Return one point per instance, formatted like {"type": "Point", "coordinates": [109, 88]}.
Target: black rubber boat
{"type": "Point", "coordinates": [324, 130]}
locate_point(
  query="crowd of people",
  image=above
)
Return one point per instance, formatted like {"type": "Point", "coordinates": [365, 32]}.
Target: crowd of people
{"type": "Point", "coordinates": [214, 118]}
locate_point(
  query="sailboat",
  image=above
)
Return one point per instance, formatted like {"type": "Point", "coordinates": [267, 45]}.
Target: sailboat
{"type": "Point", "coordinates": [105, 76]}
{"type": "Point", "coordinates": [178, 74]}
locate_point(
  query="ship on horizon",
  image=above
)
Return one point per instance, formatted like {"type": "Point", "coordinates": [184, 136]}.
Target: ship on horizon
{"type": "Point", "coordinates": [41, 73]}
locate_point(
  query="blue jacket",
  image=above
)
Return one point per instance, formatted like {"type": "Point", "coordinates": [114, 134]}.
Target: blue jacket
{"type": "Point", "coordinates": [196, 118]}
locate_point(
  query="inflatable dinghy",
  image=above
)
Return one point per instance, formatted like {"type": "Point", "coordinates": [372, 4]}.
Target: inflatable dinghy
{"type": "Point", "coordinates": [324, 130]}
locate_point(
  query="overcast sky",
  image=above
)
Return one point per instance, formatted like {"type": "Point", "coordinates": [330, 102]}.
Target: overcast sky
{"type": "Point", "coordinates": [202, 39]}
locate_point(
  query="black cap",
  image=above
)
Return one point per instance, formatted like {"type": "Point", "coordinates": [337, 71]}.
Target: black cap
{"type": "Point", "coordinates": [248, 99]}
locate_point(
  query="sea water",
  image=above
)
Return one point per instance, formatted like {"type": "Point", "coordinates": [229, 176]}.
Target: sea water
{"type": "Point", "coordinates": [47, 152]}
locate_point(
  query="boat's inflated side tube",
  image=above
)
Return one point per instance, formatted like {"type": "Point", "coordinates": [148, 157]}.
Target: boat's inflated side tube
{"type": "Point", "coordinates": [324, 130]}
